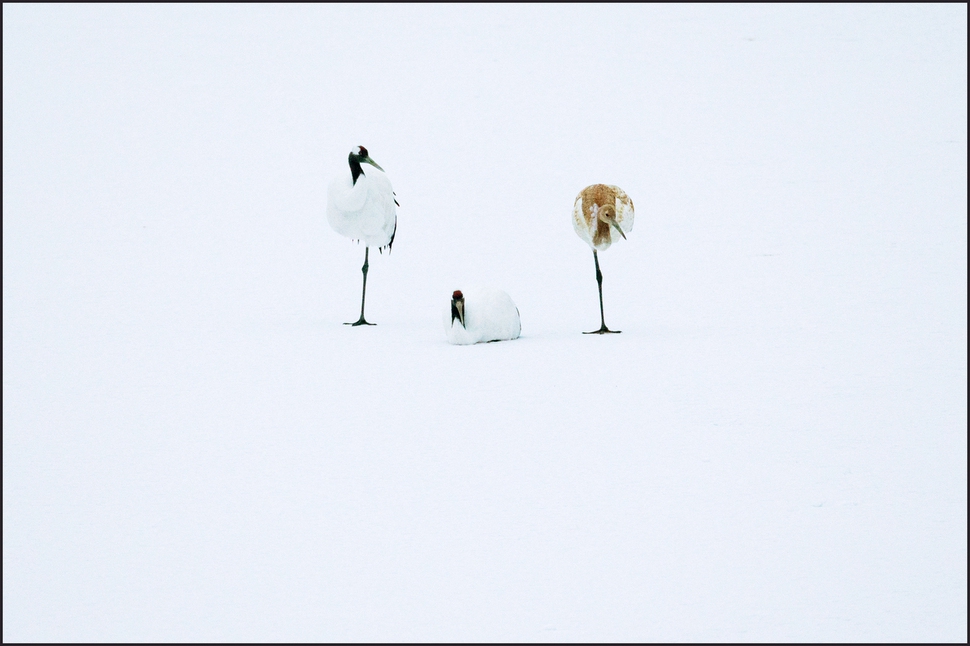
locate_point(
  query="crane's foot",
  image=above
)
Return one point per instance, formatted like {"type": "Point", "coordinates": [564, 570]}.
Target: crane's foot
{"type": "Point", "coordinates": [604, 330]}
{"type": "Point", "coordinates": [360, 322]}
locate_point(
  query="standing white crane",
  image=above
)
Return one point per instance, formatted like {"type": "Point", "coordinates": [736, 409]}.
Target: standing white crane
{"type": "Point", "coordinates": [601, 215]}
{"type": "Point", "coordinates": [361, 206]}
{"type": "Point", "coordinates": [481, 316]}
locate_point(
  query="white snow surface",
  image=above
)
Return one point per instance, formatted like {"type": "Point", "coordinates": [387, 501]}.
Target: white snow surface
{"type": "Point", "coordinates": [196, 448]}
{"type": "Point", "coordinates": [489, 315]}
{"type": "Point", "coordinates": [363, 210]}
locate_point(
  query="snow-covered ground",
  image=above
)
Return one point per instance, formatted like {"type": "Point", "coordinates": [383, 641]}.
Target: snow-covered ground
{"type": "Point", "coordinates": [196, 448]}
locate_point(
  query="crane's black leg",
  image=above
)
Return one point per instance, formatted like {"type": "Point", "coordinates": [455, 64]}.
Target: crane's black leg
{"type": "Point", "coordinates": [363, 292]}
{"type": "Point", "coordinates": [599, 282]}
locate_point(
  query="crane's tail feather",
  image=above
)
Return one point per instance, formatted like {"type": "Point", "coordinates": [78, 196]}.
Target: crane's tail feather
{"type": "Point", "coordinates": [391, 242]}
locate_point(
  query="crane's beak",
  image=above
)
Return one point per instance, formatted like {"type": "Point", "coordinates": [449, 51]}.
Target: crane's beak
{"type": "Point", "coordinates": [373, 163]}
{"type": "Point", "coordinates": [616, 226]}
{"type": "Point", "coordinates": [458, 311]}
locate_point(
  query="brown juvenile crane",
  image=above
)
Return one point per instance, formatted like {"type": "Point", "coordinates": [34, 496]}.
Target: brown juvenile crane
{"type": "Point", "coordinates": [602, 215]}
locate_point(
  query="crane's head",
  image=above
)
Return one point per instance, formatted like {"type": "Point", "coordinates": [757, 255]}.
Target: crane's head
{"type": "Point", "coordinates": [607, 214]}
{"type": "Point", "coordinates": [458, 307]}
{"type": "Point", "coordinates": [359, 156]}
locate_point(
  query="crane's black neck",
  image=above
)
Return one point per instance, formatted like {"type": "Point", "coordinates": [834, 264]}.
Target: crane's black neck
{"type": "Point", "coordinates": [456, 313]}
{"type": "Point", "coordinates": [355, 169]}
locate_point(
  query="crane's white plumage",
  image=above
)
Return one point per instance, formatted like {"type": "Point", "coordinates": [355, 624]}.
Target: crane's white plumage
{"type": "Point", "coordinates": [597, 231]}
{"type": "Point", "coordinates": [365, 209]}
{"type": "Point", "coordinates": [481, 315]}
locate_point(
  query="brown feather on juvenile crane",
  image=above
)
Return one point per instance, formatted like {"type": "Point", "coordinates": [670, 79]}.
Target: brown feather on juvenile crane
{"type": "Point", "coordinates": [602, 214]}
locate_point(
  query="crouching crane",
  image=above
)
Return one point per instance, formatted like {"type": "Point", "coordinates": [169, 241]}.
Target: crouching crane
{"type": "Point", "coordinates": [481, 316]}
